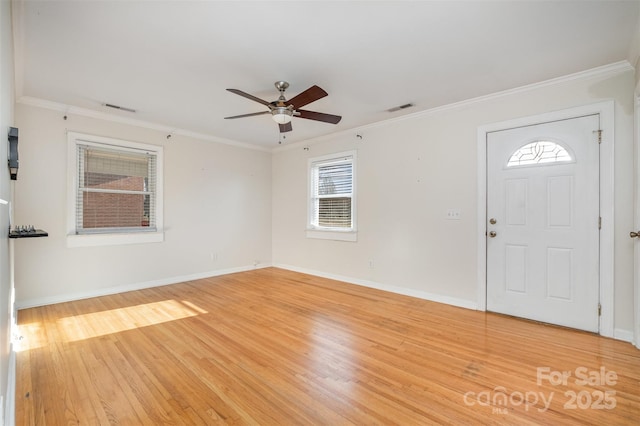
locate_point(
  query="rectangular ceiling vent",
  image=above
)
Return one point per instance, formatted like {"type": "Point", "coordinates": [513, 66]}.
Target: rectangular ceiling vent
{"type": "Point", "coordinates": [398, 108]}
{"type": "Point", "coordinates": [120, 107]}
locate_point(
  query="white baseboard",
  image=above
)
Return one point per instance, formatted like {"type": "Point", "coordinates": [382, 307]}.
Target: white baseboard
{"type": "Point", "coordinates": [625, 335]}
{"type": "Point", "coordinates": [50, 300]}
{"type": "Point", "coordinates": [468, 304]}
{"type": "Point", "coordinates": [619, 334]}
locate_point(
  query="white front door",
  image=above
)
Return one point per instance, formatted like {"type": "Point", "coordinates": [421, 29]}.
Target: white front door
{"type": "Point", "coordinates": [543, 222]}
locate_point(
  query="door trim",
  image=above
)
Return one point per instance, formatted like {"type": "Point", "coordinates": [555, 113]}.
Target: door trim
{"type": "Point", "coordinates": [605, 110]}
{"type": "Point", "coordinates": [636, 220]}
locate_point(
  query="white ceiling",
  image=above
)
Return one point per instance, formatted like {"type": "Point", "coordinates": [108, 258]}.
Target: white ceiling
{"type": "Point", "coordinates": [171, 61]}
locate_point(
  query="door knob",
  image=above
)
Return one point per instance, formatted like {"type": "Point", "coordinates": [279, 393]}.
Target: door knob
{"type": "Point", "coordinates": [633, 234]}
{"type": "Point", "coordinates": [492, 234]}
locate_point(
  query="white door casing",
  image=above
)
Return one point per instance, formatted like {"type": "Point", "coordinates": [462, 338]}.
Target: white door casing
{"type": "Point", "coordinates": [605, 112]}
{"type": "Point", "coordinates": [636, 247]}
{"type": "Point", "coordinates": [543, 236]}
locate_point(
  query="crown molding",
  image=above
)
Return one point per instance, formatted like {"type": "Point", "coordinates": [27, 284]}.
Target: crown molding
{"type": "Point", "coordinates": [602, 71]}
{"type": "Point", "coordinates": [605, 70]}
{"type": "Point", "coordinates": [86, 112]}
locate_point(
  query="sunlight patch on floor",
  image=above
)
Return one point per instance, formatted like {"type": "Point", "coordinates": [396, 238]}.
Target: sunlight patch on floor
{"type": "Point", "coordinates": [29, 337]}
{"type": "Point", "coordinates": [86, 326]}
{"type": "Point", "coordinates": [80, 327]}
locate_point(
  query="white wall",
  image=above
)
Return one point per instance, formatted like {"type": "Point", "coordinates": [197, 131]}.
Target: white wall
{"type": "Point", "coordinates": [217, 200]}
{"type": "Point", "coordinates": [221, 199]}
{"type": "Point", "coordinates": [411, 171]}
{"type": "Point", "coordinates": [6, 121]}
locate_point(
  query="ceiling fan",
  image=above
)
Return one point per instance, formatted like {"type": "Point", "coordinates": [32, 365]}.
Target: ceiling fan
{"type": "Point", "coordinates": [283, 110]}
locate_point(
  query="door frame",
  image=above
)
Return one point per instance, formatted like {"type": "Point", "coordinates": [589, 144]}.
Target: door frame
{"type": "Point", "coordinates": [636, 219]}
{"type": "Point", "coordinates": [605, 110]}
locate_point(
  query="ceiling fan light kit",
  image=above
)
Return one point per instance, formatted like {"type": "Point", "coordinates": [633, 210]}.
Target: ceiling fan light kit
{"type": "Point", "coordinates": [282, 110]}
{"type": "Point", "coordinates": [282, 115]}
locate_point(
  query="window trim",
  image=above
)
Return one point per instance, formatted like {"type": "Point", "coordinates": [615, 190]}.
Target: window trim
{"type": "Point", "coordinates": [350, 234]}
{"type": "Point", "coordinates": [110, 238]}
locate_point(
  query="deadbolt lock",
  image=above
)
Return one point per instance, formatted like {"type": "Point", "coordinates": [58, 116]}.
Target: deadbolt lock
{"type": "Point", "coordinates": [492, 221]}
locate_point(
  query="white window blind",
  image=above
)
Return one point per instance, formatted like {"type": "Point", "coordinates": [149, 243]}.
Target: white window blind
{"type": "Point", "coordinates": [332, 194]}
{"type": "Point", "coordinates": [116, 190]}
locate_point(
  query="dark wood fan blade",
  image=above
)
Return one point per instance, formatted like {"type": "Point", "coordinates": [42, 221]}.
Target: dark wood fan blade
{"type": "Point", "coordinates": [285, 128]}
{"type": "Point", "coordinates": [248, 96]}
{"type": "Point", "coordinates": [319, 116]}
{"type": "Point", "coordinates": [248, 115]}
{"type": "Point", "coordinates": [312, 94]}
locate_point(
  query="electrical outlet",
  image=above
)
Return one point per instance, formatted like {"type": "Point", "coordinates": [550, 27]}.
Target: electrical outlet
{"type": "Point", "coordinates": [370, 263]}
{"type": "Point", "coordinates": [214, 256]}
{"type": "Point", "coordinates": [453, 214]}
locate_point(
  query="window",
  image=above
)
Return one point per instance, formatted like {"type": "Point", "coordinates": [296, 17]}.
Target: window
{"type": "Point", "coordinates": [116, 191]}
{"type": "Point", "coordinates": [332, 197]}
{"type": "Point", "coordinates": [539, 152]}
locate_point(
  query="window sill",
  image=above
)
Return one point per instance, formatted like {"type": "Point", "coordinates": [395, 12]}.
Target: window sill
{"type": "Point", "coordinates": [114, 239]}
{"type": "Point", "coordinates": [332, 235]}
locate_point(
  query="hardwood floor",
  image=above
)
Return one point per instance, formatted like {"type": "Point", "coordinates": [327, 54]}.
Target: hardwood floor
{"type": "Point", "coordinates": [275, 347]}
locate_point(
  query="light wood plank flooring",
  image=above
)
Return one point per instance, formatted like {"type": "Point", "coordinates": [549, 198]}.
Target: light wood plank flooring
{"type": "Point", "coordinates": [274, 347]}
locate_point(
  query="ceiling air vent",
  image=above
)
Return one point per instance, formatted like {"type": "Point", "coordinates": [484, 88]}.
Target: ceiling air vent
{"type": "Point", "coordinates": [120, 107]}
{"type": "Point", "coordinates": [398, 108]}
